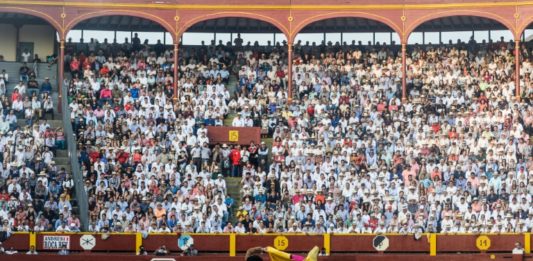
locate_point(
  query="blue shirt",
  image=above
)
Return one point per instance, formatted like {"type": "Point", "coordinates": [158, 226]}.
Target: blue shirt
{"type": "Point", "coordinates": [134, 93]}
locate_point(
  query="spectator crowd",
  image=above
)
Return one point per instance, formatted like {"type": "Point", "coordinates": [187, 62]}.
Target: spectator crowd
{"type": "Point", "coordinates": [35, 192]}
{"type": "Point", "coordinates": [347, 155]}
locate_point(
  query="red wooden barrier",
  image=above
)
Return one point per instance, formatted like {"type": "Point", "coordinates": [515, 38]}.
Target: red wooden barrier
{"type": "Point", "coordinates": [18, 241]}
{"type": "Point", "coordinates": [115, 242]}
{"type": "Point", "coordinates": [296, 243]}
{"type": "Point", "coordinates": [234, 135]}
{"type": "Point", "coordinates": [467, 243]}
{"type": "Point", "coordinates": [202, 242]}
{"type": "Point", "coordinates": [363, 243]}
{"type": "Point", "coordinates": [354, 243]}
{"type": "Point", "coordinates": [352, 257]}
{"type": "Point", "coordinates": [351, 243]}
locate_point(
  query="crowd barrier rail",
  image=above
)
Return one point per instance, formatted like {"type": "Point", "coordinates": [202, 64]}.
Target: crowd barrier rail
{"type": "Point", "coordinates": [231, 244]}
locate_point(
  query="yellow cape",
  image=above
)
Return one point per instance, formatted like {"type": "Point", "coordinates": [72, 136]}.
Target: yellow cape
{"type": "Point", "coordinates": [276, 255]}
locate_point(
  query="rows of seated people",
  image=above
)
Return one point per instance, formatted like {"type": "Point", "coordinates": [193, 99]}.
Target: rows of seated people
{"type": "Point", "coordinates": [454, 156]}
{"type": "Point", "coordinates": [144, 153]}
{"type": "Point", "coordinates": [350, 156]}
{"type": "Point", "coordinates": [35, 193]}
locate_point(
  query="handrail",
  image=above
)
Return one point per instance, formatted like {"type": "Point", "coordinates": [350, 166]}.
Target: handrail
{"type": "Point", "coordinates": [81, 195]}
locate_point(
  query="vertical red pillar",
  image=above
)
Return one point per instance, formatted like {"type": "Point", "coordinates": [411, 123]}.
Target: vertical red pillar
{"type": "Point", "coordinates": [289, 83]}
{"type": "Point", "coordinates": [176, 66]}
{"type": "Point", "coordinates": [404, 72]}
{"type": "Point", "coordinates": [517, 68]}
{"type": "Point", "coordinates": [61, 64]}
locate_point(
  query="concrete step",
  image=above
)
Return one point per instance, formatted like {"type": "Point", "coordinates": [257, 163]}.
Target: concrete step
{"type": "Point", "coordinates": [53, 123]}
{"type": "Point", "coordinates": [62, 153]}
{"type": "Point", "coordinates": [62, 160]}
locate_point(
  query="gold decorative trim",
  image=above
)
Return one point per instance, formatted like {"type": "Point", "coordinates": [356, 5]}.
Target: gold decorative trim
{"type": "Point", "coordinates": [267, 7]}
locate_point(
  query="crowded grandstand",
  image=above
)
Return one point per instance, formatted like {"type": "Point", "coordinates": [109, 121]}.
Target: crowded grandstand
{"type": "Point", "coordinates": [348, 152]}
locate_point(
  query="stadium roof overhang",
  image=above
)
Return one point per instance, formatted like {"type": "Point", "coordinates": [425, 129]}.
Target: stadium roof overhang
{"type": "Point", "coordinates": [246, 25]}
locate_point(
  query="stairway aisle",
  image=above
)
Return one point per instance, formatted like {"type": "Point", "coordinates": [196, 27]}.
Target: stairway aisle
{"type": "Point", "coordinates": [233, 186]}
{"type": "Point", "coordinates": [61, 157]}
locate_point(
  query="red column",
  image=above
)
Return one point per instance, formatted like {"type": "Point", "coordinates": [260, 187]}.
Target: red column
{"type": "Point", "coordinates": [61, 64]}
{"type": "Point", "coordinates": [289, 84]}
{"type": "Point", "coordinates": [404, 72]}
{"type": "Point", "coordinates": [517, 68]}
{"type": "Point", "coordinates": [176, 65]}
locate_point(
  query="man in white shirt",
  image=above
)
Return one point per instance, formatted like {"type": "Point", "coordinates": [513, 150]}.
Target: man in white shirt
{"type": "Point", "coordinates": [25, 56]}
{"type": "Point", "coordinates": [237, 121]}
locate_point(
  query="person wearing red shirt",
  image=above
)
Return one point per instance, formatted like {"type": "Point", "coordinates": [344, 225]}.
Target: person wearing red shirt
{"type": "Point", "coordinates": [15, 96]}
{"type": "Point", "coordinates": [311, 110]}
{"type": "Point", "coordinates": [320, 198]}
{"type": "Point", "coordinates": [104, 70]}
{"type": "Point", "coordinates": [75, 67]}
{"type": "Point", "coordinates": [235, 157]}
{"type": "Point", "coordinates": [94, 155]}
{"type": "Point", "coordinates": [137, 156]}
{"type": "Point", "coordinates": [297, 197]}
{"type": "Point", "coordinates": [373, 222]}
{"type": "Point", "coordinates": [380, 107]}
{"type": "Point", "coordinates": [344, 99]}
{"type": "Point", "coordinates": [105, 95]}
{"type": "Point", "coordinates": [122, 157]}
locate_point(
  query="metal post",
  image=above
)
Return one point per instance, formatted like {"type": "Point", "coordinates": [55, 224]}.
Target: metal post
{"type": "Point", "coordinates": [423, 38]}
{"type": "Point", "coordinates": [176, 65]}
{"type": "Point", "coordinates": [289, 85]}
{"type": "Point", "coordinates": [215, 37]}
{"type": "Point", "coordinates": [61, 64]}
{"type": "Point", "coordinates": [490, 37]}
{"type": "Point", "coordinates": [324, 39]}
{"type": "Point", "coordinates": [18, 52]}
{"type": "Point", "coordinates": [517, 68]}
{"type": "Point", "coordinates": [342, 39]}
{"type": "Point", "coordinates": [391, 38]}
{"type": "Point", "coordinates": [274, 42]}
{"type": "Point", "coordinates": [374, 38]}
{"type": "Point", "coordinates": [404, 72]}
{"type": "Point", "coordinates": [440, 37]}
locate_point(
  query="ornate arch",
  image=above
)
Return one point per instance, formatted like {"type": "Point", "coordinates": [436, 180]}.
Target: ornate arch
{"type": "Point", "coordinates": [139, 14]}
{"type": "Point", "coordinates": [55, 24]}
{"type": "Point", "coordinates": [523, 26]}
{"type": "Point", "coordinates": [320, 17]}
{"type": "Point", "coordinates": [431, 16]}
{"type": "Point", "coordinates": [283, 29]}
